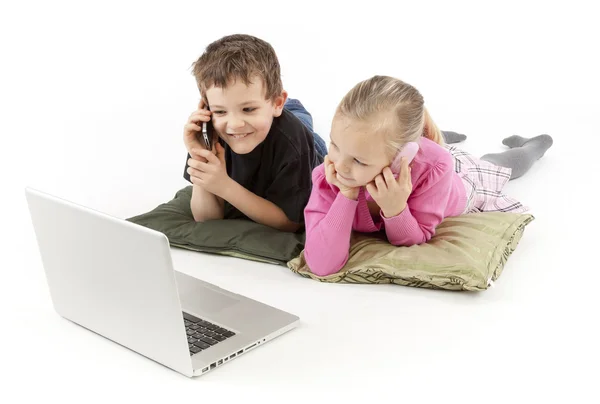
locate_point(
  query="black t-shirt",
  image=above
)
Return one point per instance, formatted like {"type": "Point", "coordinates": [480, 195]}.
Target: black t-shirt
{"type": "Point", "coordinates": [279, 169]}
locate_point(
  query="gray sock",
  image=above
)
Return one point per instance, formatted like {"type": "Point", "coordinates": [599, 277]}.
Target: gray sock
{"type": "Point", "coordinates": [523, 153]}
{"type": "Point", "coordinates": [453, 137]}
{"type": "Point", "coordinates": [515, 141]}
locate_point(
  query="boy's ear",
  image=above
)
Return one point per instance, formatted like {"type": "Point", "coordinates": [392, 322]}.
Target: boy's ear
{"type": "Point", "coordinates": [279, 102]}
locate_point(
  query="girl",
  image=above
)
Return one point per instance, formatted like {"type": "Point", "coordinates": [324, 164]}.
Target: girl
{"type": "Point", "coordinates": [355, 189]}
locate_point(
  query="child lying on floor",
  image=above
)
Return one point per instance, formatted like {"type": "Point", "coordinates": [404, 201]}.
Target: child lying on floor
{"type": "Point", "coordinates": [356, 189]}
{"type": "Point", "coordinates": [258, 162]}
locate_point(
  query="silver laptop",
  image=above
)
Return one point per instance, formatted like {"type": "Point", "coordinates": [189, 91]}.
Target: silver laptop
{"type": "Point", "coordinates": [116, 278]}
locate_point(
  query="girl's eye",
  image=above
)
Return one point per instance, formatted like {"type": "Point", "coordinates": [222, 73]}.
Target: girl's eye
{"type": "Point", "coordinates": [359, 163]}
{"type": "Point", "coordinates": [250, 109]}
{"type": "Point", "coordinates": [218, 112]}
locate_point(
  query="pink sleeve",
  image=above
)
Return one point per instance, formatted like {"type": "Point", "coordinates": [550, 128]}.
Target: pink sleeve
{"type": "Point", "coordinates": [328, 218]}
{"type": "Point", "coordinates": [425, 209]}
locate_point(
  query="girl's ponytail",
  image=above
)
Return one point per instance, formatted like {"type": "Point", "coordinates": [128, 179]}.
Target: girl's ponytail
{"type": "Point", "coordinates": [430, 129]}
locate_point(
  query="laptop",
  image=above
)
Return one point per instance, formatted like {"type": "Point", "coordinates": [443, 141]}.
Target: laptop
{"type": "Point", "coordinates": [116, 278]}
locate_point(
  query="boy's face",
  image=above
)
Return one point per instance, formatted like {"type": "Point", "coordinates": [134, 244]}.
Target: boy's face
{"type": "Point", "coordinates": [241, 115]}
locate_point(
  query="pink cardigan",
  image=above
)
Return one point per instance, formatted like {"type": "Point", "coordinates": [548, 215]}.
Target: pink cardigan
{"type": "Point", "coordinates": [330, 217]}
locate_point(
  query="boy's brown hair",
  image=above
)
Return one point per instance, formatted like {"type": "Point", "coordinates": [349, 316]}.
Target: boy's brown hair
{"type": "Point", "coordinates": [238, 57]}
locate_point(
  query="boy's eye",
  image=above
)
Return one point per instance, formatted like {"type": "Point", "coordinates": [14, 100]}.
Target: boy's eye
{"type": "Point", "coordinates": [250, 109]}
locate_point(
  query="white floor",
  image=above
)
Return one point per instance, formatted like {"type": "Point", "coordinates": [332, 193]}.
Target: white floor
{"type": "Point", "coordinates": [93, 102]}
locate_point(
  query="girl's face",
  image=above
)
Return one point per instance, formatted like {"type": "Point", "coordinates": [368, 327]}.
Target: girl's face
{"type": "Point", "coordinates": [357, 151]}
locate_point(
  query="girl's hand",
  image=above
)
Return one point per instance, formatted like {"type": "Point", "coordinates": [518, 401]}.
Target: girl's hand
{"type": "Point", "coordinates": [210, 174]}
{"type": "Point", "coordinates": [331, 177]}
{"type": "Point", "coordinates": [391, 194]}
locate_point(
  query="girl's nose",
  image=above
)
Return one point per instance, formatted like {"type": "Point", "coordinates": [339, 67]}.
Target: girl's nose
{"type": "Point", "coordinates": [342, 168]}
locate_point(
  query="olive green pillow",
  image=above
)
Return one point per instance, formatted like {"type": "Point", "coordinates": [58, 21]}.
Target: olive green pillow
{"type": "Point", "coordinates": [239, 238]}
{"type": "Point", "coordinates": [468, 252]}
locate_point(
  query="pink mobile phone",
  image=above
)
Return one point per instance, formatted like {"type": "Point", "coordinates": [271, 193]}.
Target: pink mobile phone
{"type": "Point", "coordinates": [409, 151]}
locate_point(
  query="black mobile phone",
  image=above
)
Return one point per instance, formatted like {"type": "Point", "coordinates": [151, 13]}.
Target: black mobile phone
{"type": "Point", "coordinates": [208, 134]}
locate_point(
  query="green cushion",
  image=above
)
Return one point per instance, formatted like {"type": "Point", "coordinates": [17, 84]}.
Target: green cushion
{"type": "Point", "coordinates": [468, 252]}
{"type": "Point", "coordinates": [238, 238]}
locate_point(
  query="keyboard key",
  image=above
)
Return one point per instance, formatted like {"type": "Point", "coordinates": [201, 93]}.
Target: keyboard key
{"type": "Point", "coordinates": [195, 349]}
{"type": "Point", "coordinates": [202, 345]}
{"type": "Point", "coordinates": [194, 327]}
{"type": "Point", "coordinates": [191, 340]}
{"type": "Point", "coordinates": [191, 318]}
{"type": "Point", "coordinates": [190, 332]}
{"type": "Point", "coordinates": [219, 337]}
{"type": "Point", "coordinates": [198, 336]}
{"type": "Point", "coordinates": [221, 330]}
{"type": "Point", "coordinates": [211, 327]}
{"type": "Point", "coordinates": [209, 341]}
{"type": "Point", "coordinates": [210, 333]}
{"type": "Point", "coordinates": [228, 334]}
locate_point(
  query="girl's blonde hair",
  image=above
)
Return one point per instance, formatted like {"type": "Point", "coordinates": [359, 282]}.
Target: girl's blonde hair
{"type": "Point", "coordinates": [393, 106]}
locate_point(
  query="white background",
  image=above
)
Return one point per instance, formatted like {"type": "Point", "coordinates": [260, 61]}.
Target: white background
{"type": "Point", "coordinates": [93, 98]}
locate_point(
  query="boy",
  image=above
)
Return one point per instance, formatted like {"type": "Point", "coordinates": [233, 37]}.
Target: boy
{"type": "Point", "coordinates": [260, 167]}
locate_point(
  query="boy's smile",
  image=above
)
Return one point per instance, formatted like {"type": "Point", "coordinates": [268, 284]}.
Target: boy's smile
{"type": "Point", "coordinates": [241, 115]}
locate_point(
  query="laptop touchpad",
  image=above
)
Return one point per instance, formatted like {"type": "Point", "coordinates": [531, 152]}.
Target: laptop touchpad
{"type": "Point", "coordinates": [206, 300]}
{"type": "Point", "coordinates": [195, 295]}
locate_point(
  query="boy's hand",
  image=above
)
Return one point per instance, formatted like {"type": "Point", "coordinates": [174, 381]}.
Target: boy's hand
{"type": "Point", "coordinates": [193, 129]}
{"type": "Point", "coordinates": [391, 194]}
{"type": "Point", "coordinates": [331, 177]}
{"type": "Point", "coordinates": [210, 174]}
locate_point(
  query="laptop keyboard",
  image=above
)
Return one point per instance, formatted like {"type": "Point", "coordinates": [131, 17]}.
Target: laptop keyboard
{"type": "Point", "coordinates": [203, 334]}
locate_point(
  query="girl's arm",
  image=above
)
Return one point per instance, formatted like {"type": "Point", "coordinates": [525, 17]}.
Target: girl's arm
{"type": "Point", "coordinates": [328, 217]}
{"type": "Point", "coordinates": [425, 210]}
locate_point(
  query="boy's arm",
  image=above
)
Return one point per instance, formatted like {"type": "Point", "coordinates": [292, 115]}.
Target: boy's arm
{"type": "Point", "coordinates": [256, 208]}
{"type": "Point", "coordinates": [206, 206]}
{"type": "Point", "coordinates": [211, 176]}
